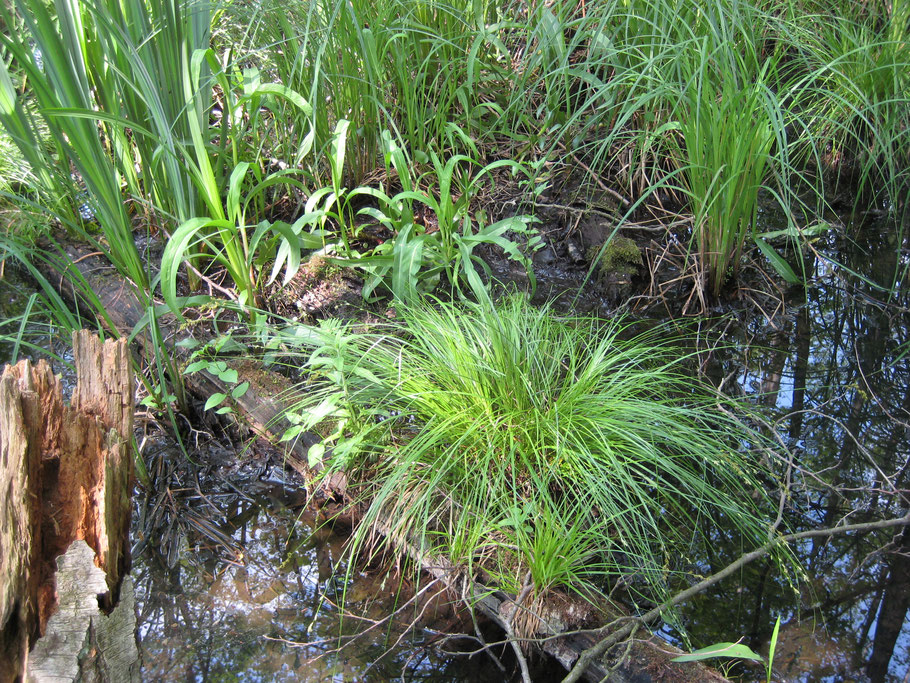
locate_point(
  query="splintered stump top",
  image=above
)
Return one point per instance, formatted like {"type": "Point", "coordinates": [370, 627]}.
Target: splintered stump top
{"type": "Point", "coordinates": [66, 473]}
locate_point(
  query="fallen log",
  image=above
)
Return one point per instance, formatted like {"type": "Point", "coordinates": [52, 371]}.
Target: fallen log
{"type": "Point", "coordinates": [69, 474]}
{"type": "Point", "coordinates": [262, 407]}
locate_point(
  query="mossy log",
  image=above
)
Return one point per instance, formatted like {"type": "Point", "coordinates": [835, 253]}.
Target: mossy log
{"type": "Point", "coordinates": [68, 474]}
{"type": "Point", "coordinates": [261, 409]}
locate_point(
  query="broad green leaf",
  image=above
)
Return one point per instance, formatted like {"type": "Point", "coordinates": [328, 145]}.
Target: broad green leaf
{"type": "Point", "coordinates": [281, 91]}
{"type": "Point", "coordinates": [777, 261]}
{"type": "Point", "coordinates": [235, 184]}
{"type": "Point", "coordinates": [289, 248]}
{"type": "Point", "coordinates": [229, 376]}
{"type": "Point", "coordinates": [292, 432]}
{"type": "Point", "coordinates": [367, 375]}
{"type": "Point", "coordinates": [315, 453]}
{"type": "Point", "coordinates": [336, 156]}
{"type": "Point", "coordinates": [317, 414]}
{"type": "Point", "coordinates": [196, 366]}
{"type": "Point", "coordinates": [467, 266]}
{"type": "Point", "coordinates": [407, 261]}
{"type": "Point", "coordinates": [734, 650]}
{"type": "Point", "coordinates": [214, 400]}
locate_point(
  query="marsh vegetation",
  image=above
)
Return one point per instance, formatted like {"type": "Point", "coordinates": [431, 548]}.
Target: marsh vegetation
{"type": "Point", "coordinates": [494, 401]}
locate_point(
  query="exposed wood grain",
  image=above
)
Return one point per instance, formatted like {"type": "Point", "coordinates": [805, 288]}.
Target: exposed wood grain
{"type": "Point", "coordinates": [19, 522]}
{"type": "Point", "coordinates": [81, 642]}
{"type": "Point", "coordinates": [67, 472]}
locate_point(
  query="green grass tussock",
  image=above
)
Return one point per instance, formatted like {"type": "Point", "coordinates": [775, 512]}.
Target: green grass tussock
{"type": "Point", "coordinates": [513, 440]}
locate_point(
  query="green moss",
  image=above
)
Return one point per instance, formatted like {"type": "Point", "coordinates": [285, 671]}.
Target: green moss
{"type": "Point", "coordinates": [620, 256]}
{"type": "Point", "coordinates": [319, 268]}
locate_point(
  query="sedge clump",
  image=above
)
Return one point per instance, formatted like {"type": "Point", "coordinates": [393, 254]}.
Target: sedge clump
{"type": "Point", "coordinates": [528, 448]}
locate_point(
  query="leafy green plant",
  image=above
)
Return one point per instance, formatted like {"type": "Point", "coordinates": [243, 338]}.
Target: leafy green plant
{"type": "Point", "coordinates": [414, 260]}
{"type": "Point", "coordinates": [206, 359]}
{"type": "Point", "coordinates": [243, 250]}
{"type": "Point", "coordinates": [735, 651]}
{"type": "Point", "coordinates": [225, 231]}
{"type": "Point", "coordinates": [515, 440]}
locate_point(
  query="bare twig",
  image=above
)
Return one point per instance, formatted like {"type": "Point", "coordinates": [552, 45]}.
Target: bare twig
{"type": "Point", "coordinates": [613, 193]}
{"type": "Point", "coordinates": [621, 634]}
{"type": "Point", "coordinates": [211, 283]}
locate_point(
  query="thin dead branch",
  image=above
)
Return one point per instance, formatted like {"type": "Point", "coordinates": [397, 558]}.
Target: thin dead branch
{"type": "Point", "coordinates": [612, 638]}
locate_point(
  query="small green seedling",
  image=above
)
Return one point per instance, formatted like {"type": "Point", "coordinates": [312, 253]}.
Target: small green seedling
{"type": "Point", "coordinates": [735, 651]}
{"type": "Point", "coordinates": [220, 369]}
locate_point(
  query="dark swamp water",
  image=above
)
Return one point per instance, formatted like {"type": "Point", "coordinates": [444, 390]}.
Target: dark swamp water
{"type": "Point", "coordinates": [237, 580]}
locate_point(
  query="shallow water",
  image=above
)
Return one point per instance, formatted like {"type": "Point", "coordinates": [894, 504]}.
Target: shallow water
{"type": "Point", "coordinates": [263, 604]}
{"type": "Point", "coordinates": [832, 369]}
{"type": "Point", "coordinates": [827, 367]}
{"type": "Point", "coordinates": [240, 584]}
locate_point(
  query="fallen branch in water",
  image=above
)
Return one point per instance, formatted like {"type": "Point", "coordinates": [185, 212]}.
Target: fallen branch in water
{"type": "Point", "coordinates": [592, 653]}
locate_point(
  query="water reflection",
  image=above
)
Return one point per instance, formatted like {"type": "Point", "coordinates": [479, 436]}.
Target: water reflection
{"type": "Point", "coordinates": [264, 605]}
{"type": "Point", "coordinates": [834, 372]}
{"type": "Point", "coordinates": [237, 584]}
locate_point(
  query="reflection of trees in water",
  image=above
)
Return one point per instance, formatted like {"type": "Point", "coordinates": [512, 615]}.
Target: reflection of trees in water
{"type": "Point", "coordinates": [832, 372]}
{"type": "Point", "coordinates": [895, 601]}
{"type": "Point", "coordinates": [203, 618]}
{"type": "Point", "coordinates": [835, 372]}
{"type": "Point", "coordinates": [263, 606]}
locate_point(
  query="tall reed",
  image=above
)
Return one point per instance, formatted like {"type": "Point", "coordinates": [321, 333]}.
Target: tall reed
{"type": "Point", "coordinates": [728, 129]}
{"type": "Point", "coordinates": [861, 99]}
{"type": "Point", "coordinates": [75, 63]}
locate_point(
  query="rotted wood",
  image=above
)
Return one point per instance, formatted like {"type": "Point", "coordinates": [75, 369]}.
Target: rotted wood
{"type": "Point", "coordinates": [68, 473]}
{"type": "Point", "coordinates": [261, 408]}
{"type": "Point", "coordinates": [82, 642]}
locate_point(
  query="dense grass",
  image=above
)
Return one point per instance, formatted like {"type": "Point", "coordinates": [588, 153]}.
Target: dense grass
{"type": "Point", "coordinates": [511, 440]}
{"type": "Point", "coordinates": [718, 103]}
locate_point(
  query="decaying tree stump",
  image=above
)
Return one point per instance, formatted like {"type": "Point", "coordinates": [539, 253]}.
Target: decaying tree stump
{"type": "Point", "coordinates": [66, 473]}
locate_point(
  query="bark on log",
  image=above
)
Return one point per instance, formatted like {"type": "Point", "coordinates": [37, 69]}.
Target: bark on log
{"type": "Point", "coordinates": [68, 472]}
{"type": "Point", "coordinates": [262, 406]}
{"type": "Point", "coordinates": [262, 409]}
{"type": "Point", "coordinates": [20, 525]}
{"type": "Point", "coordinates": [80, 626]}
